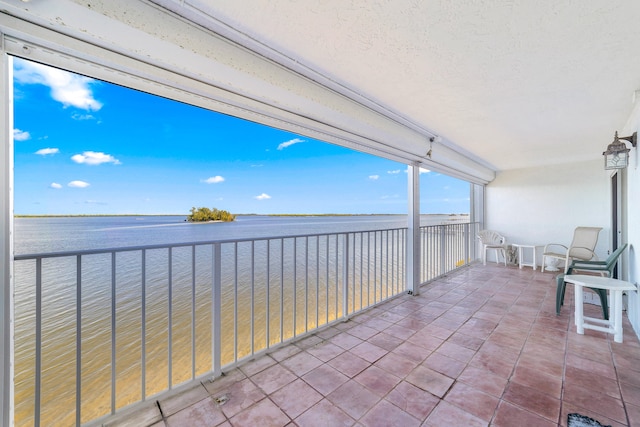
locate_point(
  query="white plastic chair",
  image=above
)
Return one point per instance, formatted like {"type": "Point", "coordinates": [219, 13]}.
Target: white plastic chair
{"type": "Point", "coordinates": [490, 239]}
{"type": "Point", "coordinates": [581, 248]}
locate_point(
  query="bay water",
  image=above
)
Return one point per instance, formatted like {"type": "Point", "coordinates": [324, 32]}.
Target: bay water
{"type": "Point", "coordinates": [37, 235]}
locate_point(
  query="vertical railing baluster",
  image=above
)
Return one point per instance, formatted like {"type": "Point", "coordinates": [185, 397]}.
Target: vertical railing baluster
{"type": "Point", "coordinates": [268, 295]}
{"type": "Point", "coordinates": [143, 333]}
{"type": "Point", "coordinates": [113, 332]}
{"type": "Point", "coordinates": [317, 281]}
{"type": "Point", "coordinates": [78, 340]}
{"type": "Point", "coordinates": [295, 286]}
{"type": "Point", "coordinates": [193, 311]}
{"type": "Point", "coordinates": [216, 310]}
{"type": "Point", "coordinates": [253, 293]}
{"type": "Point", "coordinates": [345, 276]}
{"type": "Point", "coordinates": [361, 267]}
{"type": "Point", "coordinates": [306, 283]}
{"type": "Point", "coordinates": [170, 319]}
{"type": "Point", "coordinates": [281, 290]}
{"type": "Point", "coordinates": [235, 302]}
{"type": "Point", "coordinates": [337, 278]}
{"type": "Point", "coordinates": [38, 367]}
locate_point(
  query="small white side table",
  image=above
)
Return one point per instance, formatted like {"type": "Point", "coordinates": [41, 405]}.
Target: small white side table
{"type": "Point", "coordinates": [520, 252]}
{"type": "Point", "coordinates": [615, 288]}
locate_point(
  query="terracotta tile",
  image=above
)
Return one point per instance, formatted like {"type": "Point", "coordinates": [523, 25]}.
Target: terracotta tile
{"type": "Point", "coordinates": [295, 398]}
{"type": "Point", "coordinates": [354, 399]}
{"type": "Point", "coordinates": [324, 414]}
{"type": "Point", "coordinates": [456, 351]}
{"type": "Point", "coordinates": [546, 384]}
{"type": "Point", "coordinates": [264, 413]}
{"type": "Point", "coordinates": [285, 352]}
{"type": "Point", "coordinates": [273, 378]}
{"type": "Point", "coordinates": [385, 414]}
{"type": "Point", "coordinates": [377, 380]}
{"type": "Point", "coordinates": [533, 401]}
{"type": "Point", "coordinates": [399, 332]}
{"type": "Point", "coordinates": [445, 365]}
{"type": "Point", "coordinates": [412, 352]}
{"type": "Point", "coordinates": [569, 408]}
{"type": "Point", "coordinates": [325, 351]}
{"type": "Point", "coordinates": [257, 365]}
{"type": "Point", "coordinates": [325, 379]}
{"type": "Point", "coordinates": [473, 401]}
{"type": "Point", "coordinates": [301, 363]}
{"type": "Point", "coordinates": [575, 377]}
{"type": "Point", "coordinates": [466, 341]}
{"type": "Point", "coordinates": [599, 368]}
{"type": "Point", "coordinates": [368, 352]}
{"type": "Point", "coordinates": [430, 380]}
{"type": "Point", "coordinates": [345, 340]}
{"type": "Point", "coordinates": [363, 332]}
{"type": "Point", "coordinates": [182, 400]}
{"type": "Point", "coordinates": [425, 340]}
{"type": "Point", "coordinates": [494, 365]}
{"type": "Point", "coordinates": [239, 396]}
{"type": "Point", "coordinates": [507, 413]}
{"type": "Point", "coordinates": [446, 414]}
{"type": "Point", "coordinates": [396, 365]}
{"type": "Point", "coordinates": [483, 380]}
{"type": "Point", "coordinates": [413, 400]}
{"type": "Point", "coordinates": [386, 341]}
{"type": "Point", "coordinates": [596, 402]}
{"type": "Point", "coordinates": [349, 364]}
{"type": "Point", "coordinates": [223, 382]}
{"type": "Point", "coordinates": [203, 413]}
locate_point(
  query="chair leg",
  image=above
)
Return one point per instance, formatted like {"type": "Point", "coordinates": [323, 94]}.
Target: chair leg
{"type": "Point", "coordinates": [561, 285]}
{"type": "Point", "coordinates": [543, 261]}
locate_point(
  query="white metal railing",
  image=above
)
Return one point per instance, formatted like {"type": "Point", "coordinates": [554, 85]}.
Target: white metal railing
{"type": "Point", "coordinates": [100, 330]}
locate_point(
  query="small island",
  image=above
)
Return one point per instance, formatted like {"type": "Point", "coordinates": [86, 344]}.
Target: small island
{"type": "Point", "coordinates": [210, 215]}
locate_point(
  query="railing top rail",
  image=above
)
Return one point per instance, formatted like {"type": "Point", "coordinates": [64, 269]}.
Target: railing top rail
{"type": "Point", "coordinates": [22, 257]}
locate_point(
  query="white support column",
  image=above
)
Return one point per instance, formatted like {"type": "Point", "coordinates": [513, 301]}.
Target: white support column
{"type": "Point", "coordinates": [6, 231]}
{"type": "Point", "coordinates": [413, 234]}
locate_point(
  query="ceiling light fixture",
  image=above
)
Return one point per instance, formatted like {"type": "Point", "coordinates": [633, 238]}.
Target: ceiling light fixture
{"type": "Point", "coordinates": [617, 154]}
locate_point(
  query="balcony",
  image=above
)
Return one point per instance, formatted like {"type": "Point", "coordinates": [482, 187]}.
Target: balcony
{"type": "Point", "coordinates": [480, 346]}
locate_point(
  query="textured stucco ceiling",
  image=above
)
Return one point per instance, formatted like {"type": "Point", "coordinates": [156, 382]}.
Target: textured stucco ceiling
{"type": "Point", "coordinates": [518, 83]}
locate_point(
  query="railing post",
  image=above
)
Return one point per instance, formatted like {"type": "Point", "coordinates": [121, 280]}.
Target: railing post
{"type": "Point", "coordinates": [413, 235]}
{"type": "Point", "coordinates": [216, 311]}
{"type": "Point", "coordinates": [6, 233]}
{"type": "Point", "coordinates": [345, 276]}
{"type": "Point", "coordinates": [443, 250]}
{"type": "Point", "coordinates": [466, 243]}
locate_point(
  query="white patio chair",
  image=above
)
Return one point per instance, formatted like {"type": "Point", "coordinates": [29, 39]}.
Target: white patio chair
{"type": "Point", "coordinates": [490, 239]}
{"type": "Point", "coordinates": [581, 248]}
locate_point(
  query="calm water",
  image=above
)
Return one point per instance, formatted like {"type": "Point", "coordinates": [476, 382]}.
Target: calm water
{"type": "Point", "coordinates": [43, 235]}
{"type": "Point", "coordinates": [39, 235]}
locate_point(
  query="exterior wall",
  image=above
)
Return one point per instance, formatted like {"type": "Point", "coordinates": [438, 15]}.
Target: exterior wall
{"type": "Point", "coordinates": [631, 216]}
{"type": "Point", "coordinates": [536, 206]}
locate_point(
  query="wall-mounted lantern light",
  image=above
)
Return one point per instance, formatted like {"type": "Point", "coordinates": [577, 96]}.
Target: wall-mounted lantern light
{"type": "Point", "coordinates": [617, 154]}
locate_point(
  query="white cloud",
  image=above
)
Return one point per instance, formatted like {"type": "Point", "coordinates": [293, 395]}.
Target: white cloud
{"type": "Point", "coordinates": [374, 177]}
{"type": "Point", "coordinates": [93, 158]}
{"type": "Point", "coordinates": [55, 185]}
{"type": "Point", "coordinates": [47, 151]}
{"type": "Point", "coordinates": [78, 184]}
{"type": "Point", "coordinates": [394, 171]}
{"type": "Point", "coordinates": [289, 143]}
{"type": "Point", "coordinates": [21, 135]}
{"type": "Point", "coordinates": [77, 116]}
{"type": "Point", "coordinates": [67, 88]}
{"type": "Point", "coordinates": [263, 196]}
{"type": "Point", "coordinates": [423, 170]}
{"type": "Point", "coordinates": [213, 179]}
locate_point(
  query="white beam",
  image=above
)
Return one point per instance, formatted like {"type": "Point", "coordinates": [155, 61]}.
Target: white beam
{"type": "Point", "coordinates": [413, 233]}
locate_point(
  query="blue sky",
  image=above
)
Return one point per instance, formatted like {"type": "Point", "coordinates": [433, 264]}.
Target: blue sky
{"type": "Point", "coordinates": [84, 146]}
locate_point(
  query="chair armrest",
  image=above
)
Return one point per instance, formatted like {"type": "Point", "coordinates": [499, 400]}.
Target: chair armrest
{"type": "Point", "coordinates": [555, 244]}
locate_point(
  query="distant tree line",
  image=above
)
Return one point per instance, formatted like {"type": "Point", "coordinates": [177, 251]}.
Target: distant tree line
{"type": "Point", "coordinates": [206, 214]}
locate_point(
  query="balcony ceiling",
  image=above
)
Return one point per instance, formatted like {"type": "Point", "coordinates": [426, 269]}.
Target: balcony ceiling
{"type": "Point", "coordinates": [510, 84]}
{"type": "Point", "coordinates": [515, 83]}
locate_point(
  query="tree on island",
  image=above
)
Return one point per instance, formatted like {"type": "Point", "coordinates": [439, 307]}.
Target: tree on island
{"type": "Point", "coordinates": [206, 214]}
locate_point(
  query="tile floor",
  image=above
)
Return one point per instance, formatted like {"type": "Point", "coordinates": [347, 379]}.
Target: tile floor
{"type": "Point", "coordinates": [480, 347]}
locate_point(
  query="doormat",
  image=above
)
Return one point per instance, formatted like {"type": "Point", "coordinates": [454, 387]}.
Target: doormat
{"type": "Point", "coordinates": [577, 420]}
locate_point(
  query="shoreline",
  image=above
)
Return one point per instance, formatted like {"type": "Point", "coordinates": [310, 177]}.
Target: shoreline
{"type": "Point", "coordinates": [185, 215]}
